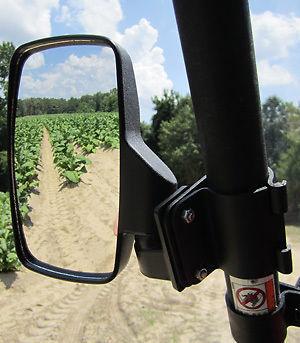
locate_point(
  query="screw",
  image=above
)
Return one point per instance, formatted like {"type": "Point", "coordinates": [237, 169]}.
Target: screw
{"type": "Point", "coordinates": [188, 216]}
{"type": "Point", "coordinates": [201, 274]}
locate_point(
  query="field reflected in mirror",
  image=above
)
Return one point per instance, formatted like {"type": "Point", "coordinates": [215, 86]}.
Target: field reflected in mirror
{"type": "Point", "coordinates": [67, 157]}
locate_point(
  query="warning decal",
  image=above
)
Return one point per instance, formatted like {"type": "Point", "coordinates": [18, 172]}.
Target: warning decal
{"type": "Point", "coordinates": [251, 298]}
{"type": "Point", "coordinates": [254, 296]}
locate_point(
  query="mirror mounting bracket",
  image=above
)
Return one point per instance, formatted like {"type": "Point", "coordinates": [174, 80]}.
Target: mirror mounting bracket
{"type": "Point", "coordinates": [198, 237]}
{"type": "Point", "coordinates": [200, 231]}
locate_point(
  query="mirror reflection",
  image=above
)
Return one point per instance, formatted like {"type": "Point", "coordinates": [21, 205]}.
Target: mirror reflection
{"type": "Point", "coordinates": [67, 157]}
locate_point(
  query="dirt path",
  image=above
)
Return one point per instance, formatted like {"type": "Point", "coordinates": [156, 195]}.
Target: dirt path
{"type": "Point", "coordinates": [74, 230]}
{"type": "Point", "coordinates": [133, 308]}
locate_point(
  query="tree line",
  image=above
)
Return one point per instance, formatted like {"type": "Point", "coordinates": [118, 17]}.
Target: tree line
{"type": "Point", "coordinates": [99, 102]}
{"type": "Point", "coordinates": [173, 135]}
{"type": "Point", "coordinates": [6, 51]}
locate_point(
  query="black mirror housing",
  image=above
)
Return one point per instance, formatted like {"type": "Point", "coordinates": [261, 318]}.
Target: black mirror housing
{"type": "Point", "coordinates": [144, 179]}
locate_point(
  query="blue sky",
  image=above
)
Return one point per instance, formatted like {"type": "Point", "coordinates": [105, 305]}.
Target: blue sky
{"type": "Point", "coordinates": [147, 29]}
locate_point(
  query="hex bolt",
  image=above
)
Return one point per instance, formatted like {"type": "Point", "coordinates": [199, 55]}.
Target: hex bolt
{"type": "Point", "coordinates": [201, 274]}
{"type": "Point", "coordinates": [188, 216]}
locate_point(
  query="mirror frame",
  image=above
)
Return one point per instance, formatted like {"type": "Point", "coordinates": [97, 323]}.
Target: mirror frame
{"type": "Point", "coordinates": [144, 179]}
{"type": "Point", "coordinates": [124, 240]}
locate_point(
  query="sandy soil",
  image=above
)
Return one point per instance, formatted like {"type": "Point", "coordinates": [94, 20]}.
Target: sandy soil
{"type": "Point", "coordinates": [132, 308]}
{"type": "Point", "coordinates": [75, 228]}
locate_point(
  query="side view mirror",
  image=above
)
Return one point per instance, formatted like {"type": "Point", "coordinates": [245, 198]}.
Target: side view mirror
{"type": "Point", "coordinates": [143, 180]}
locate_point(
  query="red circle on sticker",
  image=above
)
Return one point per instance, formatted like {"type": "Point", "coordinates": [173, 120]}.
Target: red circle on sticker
{"type": "Point", "coordinates": [250, 297]}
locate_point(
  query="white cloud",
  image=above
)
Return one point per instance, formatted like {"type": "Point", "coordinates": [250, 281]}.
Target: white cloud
{"type": "Point", "coordinates": [275, 35]}
{"type": "Point", "coordinates": [148, 59]}
{"type": "Point", "coordinates": [139, 39]}
{"type": "Point", "coordinates": [22, 20]}
{"type": "Point", "coordinates": [102, 17]}
{"type": "Point", "coordinates": [273, 74]}
{"type": "Point", "coordinates": [35, 61]}
{"type": "Point", "coordinates": [76, 76]}
{"type": "Point", "coordinates": [64, 16]}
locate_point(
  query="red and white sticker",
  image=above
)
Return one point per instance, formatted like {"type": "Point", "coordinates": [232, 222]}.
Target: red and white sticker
{"type": "Point", "coordinates": [254, 296]}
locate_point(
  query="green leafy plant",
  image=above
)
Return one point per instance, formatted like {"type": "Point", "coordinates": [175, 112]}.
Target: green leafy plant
{"type": "Point", "coordinates": [8, 257]}
{"type": "Point", "coordinates": [84, 132]}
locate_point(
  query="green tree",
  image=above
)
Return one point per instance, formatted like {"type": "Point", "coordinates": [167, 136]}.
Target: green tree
{"type": "Point", "coordinates": [87, 104]}
{"type": "Point", "coordinates": [6, 51]}
{"type": "Point", "coordinates": [179, 146]}
{"type": "Point", "coordinates": [165, 108]}
{"type": "Point", "coordinates": [275, 125]}
{"type": "Point", "coordinates": [99, 102]}
{"type": "Point", "coordinates": [293, 118]}
{"type": "Point", "coordinates": [73, 104]}
{"type": "Point", "coordinates": [289, 163]}
{"type": "Point", "coordinates": [173, 136]}
{"type": "Point", "coordinates": [146, 131]}
{"type": "Point", "coordinates": [290, 170]}
{"type": "Point", "coordinates": [110, 101]}
{"type": "Point", "coordinates": [3, 172]}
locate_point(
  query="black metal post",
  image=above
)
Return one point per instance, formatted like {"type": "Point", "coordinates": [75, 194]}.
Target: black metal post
{"type": "Point", "coordinates": [218, 50]}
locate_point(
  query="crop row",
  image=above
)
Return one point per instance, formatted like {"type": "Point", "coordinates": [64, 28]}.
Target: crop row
{"type": "Point", "coordinates": [28, 138]}
{"type": "Point", "coordinates": [69, 134]}
{"type": "Point", "coordinates": [75, 136]}
{"type": "Point", "coordinates": [8, 257]}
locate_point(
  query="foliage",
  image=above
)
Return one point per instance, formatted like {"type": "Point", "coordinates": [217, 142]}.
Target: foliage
{"type": "Point", "coordinates": [3, 172]}
{"type": "Point", "coordinates": [69, 133]}
{"type": "Point", "coordinates": [28, 138]}
{"type": "Point", "coordinates": [87, 132]}
{"type": "Point", "coordinates": [290, 170]}
{"type": "Point", "coordinates": [289, 163]}
{"type": "Point", "coordinates": [70, 165]}
{"type": "Point", "coordinates": [179, 146]}
{"type": "Point", "coordinates": [99, 102]}
{"type": "Point", "coordinates": [165, 107]}
{"type": "Point", "coordinates": [6, 51]}
{"type": "Point", "coordinates": [3, 156]}
{"type": "Point", "coordinates": [275, 125]}
{"type": "Point", "coordinates": [8, 257]}
{"type": "Point", "coordinates": [173, 136]}
{"type": "Point", "coordinates": [293, 120]}
{"type": "Point", "coordinates": [146, 131]}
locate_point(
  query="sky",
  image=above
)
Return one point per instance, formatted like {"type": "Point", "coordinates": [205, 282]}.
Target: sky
{"type": "Point", "coordinates": [147, 30]}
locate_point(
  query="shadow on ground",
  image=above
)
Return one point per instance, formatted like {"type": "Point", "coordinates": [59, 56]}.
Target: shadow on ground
{"type": "Point", "coordinates": [8, 279]}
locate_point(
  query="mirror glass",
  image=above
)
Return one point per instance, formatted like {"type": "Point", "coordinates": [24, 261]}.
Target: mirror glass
{"type": "Point", "coordinates": [67, 157]}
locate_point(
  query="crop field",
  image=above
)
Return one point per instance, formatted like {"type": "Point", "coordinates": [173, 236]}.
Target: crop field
{"type": "Point", "coordinates": [73, 137]}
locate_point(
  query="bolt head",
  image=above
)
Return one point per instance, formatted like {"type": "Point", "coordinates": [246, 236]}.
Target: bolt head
{"type": "Point", "coordinates": [201, 274]}
{"type": "Point", "coordinates": [188, 216]}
